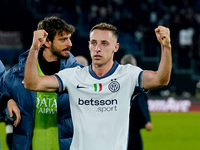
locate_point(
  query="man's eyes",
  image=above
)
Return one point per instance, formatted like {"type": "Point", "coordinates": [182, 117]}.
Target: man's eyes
{"type": "Point", "coordinates": [94, 43]}
{"type": "Point", "coordinates": [63, 39]}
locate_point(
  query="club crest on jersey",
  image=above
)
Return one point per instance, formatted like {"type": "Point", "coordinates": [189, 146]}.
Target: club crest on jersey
{"type": "Point", "coordinates": [114, 86]}
{"type": "Point", "coordinates": [97, 87]}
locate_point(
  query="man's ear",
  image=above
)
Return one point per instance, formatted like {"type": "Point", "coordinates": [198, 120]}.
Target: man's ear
{"type": "Point", "coordinates": [47, 43]}
{"type": "Point", "coordinates": [116, 47]}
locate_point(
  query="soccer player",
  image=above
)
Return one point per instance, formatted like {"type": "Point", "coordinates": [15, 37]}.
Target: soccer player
{"type": "Point", "coordinates": [45, 117]}
{"type": "Point", "coordinates": [100, 93]}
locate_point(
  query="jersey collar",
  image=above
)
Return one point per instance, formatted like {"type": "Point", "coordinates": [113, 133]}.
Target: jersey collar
{"type": "Point", "coordinates": [110, 72]}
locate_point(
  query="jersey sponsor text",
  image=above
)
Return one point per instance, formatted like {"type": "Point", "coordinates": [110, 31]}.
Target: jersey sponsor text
{"type": "Point", "coordinates": [106, 105]}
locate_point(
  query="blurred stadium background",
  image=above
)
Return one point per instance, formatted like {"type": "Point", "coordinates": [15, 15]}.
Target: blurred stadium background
{"type": "Point", "coordinates": [136, 21]}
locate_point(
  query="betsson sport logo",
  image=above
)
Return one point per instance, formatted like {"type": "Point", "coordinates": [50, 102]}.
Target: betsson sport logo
{"type": "Point", "coordinates": [102, 105]}
{"type": "Point", "coordinates": [107, 105]}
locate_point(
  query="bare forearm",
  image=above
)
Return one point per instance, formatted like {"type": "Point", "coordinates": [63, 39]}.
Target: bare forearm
{"type": "Point", "coordinates": [161, 77]}
{"type": "Point", "coordinates": [31, 72]}
{"type": "Point", "coordinates": [31, 77]}
{"type": "Point", "coordinates": [32, 80]}
{"type": "Point", "coordinates": [165, 67]}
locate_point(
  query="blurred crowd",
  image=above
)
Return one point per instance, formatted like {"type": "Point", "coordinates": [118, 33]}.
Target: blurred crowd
{"type": "Point", "coordinates": [136, 21]}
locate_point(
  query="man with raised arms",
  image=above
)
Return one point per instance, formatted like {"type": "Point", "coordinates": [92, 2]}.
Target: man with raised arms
{"type": "Point", "coordinates": [106, 82]}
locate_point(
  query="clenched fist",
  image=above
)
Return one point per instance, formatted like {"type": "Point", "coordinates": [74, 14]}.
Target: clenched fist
{"type": "Point", "coordinates": [163, 36]}
{"type": "Point", "coordinates": [39, 38]}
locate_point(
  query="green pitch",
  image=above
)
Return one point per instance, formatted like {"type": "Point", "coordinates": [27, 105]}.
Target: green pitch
{"type": "Point", "coordinates": [173, 131]}
{"type": "Point", "coordinates": [3, 145]}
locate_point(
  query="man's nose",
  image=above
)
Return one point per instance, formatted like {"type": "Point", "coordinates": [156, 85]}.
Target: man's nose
{"type": "Point", "coordinates": [97, 48]}
{"type": "Point", "coordinates": [69, 42]}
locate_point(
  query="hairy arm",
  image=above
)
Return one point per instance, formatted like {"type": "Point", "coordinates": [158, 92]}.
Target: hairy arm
{"type": "Point", "coordinates": [161, 77]}
{"type": "Point", "coordinates": [32, 80]}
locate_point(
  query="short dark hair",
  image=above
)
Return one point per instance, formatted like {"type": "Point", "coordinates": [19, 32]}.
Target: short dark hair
{"type": "Point", "coordinates": [106, 26]}
{"type": "Point", "coordinates": [53, 25]}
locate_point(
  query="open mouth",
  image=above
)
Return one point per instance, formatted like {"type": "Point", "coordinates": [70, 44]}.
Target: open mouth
{"type": "Point", "coordinates": [67, 49]}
